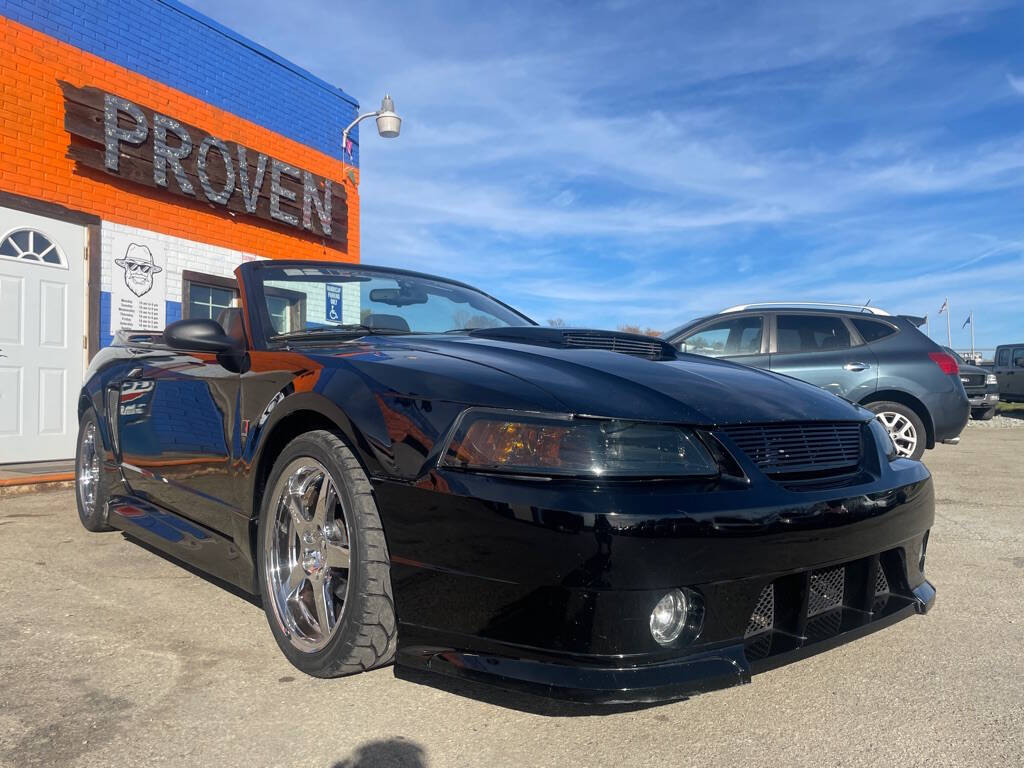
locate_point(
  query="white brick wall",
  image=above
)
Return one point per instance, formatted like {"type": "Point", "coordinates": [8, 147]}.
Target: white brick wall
{"type": "Point", "coordinates": [178, 254]}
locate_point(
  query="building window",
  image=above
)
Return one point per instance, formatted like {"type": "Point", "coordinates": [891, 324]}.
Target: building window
{"type": "Point", "coordinates": [206, 296]}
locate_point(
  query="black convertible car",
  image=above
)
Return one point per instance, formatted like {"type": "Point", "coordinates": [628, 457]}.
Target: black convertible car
{"type": "Point", "coordinates": [405, 469]}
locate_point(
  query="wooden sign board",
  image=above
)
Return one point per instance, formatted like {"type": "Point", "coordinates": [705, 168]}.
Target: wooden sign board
{"type": "Point", "coordinates": [138, 144]}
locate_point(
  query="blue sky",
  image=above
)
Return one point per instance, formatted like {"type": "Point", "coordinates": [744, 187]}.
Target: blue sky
{"type": "Point", "coordinates": [641, 162]}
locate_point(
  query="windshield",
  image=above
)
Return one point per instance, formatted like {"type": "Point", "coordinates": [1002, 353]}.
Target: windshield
{"type": "Point", "coordinates": [323, 299]}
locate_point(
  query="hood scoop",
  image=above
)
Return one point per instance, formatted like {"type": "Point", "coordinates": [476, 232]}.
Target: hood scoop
{"type": "Point", "coordinates": [633, 344]}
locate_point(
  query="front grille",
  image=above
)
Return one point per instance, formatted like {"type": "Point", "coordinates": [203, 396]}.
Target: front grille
{"type": "Point", "coordinates": [973, 379]}
{"type": "Point", "coordinates": [881, 583]}
{"type": "Point", "coordinates": [763, 617]}
{"type": "Point", "coordinates": [794, 448]}
{"type": "Point", "coordinates": [826, 590]}
{"type": "Point", "coordinates": [810, 606]}
{"type": "Point", "coordinates": [652, 350]}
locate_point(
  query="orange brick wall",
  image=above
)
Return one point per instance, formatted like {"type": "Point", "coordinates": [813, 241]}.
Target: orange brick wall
{"type": "Point", "coordinates": [33, 144]}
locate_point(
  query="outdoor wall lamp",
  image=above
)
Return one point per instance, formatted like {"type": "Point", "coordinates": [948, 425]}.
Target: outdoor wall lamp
{"type": "Point", "coordinates": [389, 124]}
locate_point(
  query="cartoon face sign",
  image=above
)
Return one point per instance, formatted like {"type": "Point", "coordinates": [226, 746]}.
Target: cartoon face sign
{"type": "Point", "coordinates": [138, 269]}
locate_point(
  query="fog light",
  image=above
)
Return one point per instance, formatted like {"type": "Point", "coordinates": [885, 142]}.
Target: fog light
{"type": "Point", "coordinates": [675, 612]}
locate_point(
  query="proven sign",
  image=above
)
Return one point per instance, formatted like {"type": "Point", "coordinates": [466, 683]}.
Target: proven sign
{"type": "Point", "coordinates": [135, 143]}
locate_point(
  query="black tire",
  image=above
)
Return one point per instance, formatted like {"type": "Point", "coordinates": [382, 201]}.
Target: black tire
{"type": "Point", "coordinates": [883, 407]}
{"type": "Point", "coordinates": [367, 634]}
{"type": "Point", "coordinates": [92, 515]}
{"type": "Point", "coordinates": [983, 414]}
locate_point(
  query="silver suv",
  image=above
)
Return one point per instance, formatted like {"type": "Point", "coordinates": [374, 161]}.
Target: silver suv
{"type": "Point", "coordinates": [864, 354]}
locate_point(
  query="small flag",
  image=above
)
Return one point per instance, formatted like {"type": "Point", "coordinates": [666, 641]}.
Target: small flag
{"type": "Point", "coordinates": [943, 307]}
{"type": "Point", "coordinates": [348, 148]}
{"type": "Point", "coordinates": [966, 322]}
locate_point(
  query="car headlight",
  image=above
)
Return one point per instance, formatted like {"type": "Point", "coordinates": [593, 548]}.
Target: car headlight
{"type": "Point", "coordinates": [990, 378]}
{"type": "Point", "coordinates": [555, 444]}
{"type": "Point", "coordinates": [883, 439]}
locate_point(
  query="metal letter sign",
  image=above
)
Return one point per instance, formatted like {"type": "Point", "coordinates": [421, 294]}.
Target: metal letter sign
{"type": "Point", "coordinates": [332, 303]}
{"type": "Point", "coordinates": [134, 143]}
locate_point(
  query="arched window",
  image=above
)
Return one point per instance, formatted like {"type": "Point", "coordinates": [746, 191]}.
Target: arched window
{"type": "Point", "coordinates": [31, 245]}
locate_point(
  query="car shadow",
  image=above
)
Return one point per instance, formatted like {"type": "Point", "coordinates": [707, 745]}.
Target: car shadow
{"type": "Point", "coordinates": [385, 753]}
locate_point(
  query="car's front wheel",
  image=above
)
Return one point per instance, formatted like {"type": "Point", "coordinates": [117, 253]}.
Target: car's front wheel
{"type": "Point", "coordinates": [324, 569]}
{"type": "Point", "coordinates": [904, 427]}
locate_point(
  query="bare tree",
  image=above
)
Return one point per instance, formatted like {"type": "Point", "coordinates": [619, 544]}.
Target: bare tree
{"type": "Point", "coordinates": [638, 330]}
{"type": "Point", "coordinates": [556, 322]}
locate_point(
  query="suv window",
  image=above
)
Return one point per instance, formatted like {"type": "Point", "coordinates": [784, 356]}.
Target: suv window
{"type": "Point", "coordinates": [810, 333]}
{"type": "Point", "coordinates": [735, 336]}
{"type": "Point", "coordinates": [1003, 357]}
{"type": "Point", "coordinates": [872, 330]}
{"type": "Point", "coordinates": [1018, 357]}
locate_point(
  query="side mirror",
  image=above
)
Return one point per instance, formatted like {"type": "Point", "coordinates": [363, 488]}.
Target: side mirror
{"type": "Point", "coordinates": [198, 335]}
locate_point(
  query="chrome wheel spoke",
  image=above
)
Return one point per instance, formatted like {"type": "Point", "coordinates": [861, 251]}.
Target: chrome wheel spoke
{"type": "Point", "coordinates": [322, 501]}
{"type": "Point", "coordinates": [296, 576]}
{"type": "Point", "coordinates": [324, 602]}
{"type": "Point", "coordinates": [337, 555]}
{"type": "Point", "coordinates": [298, 519]}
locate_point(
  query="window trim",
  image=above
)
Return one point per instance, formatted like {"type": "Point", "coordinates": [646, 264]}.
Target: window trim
{"type": "Point", "coordinates": [766, 331]}
{"type": "Point", "coordinates": [873, 319]}
{"type": "Point", "coordinates": [296, 300]}
{"type": "Point", "coordinates": [856, 340]}
{"type": "Point", "coordinates": [212, 281]}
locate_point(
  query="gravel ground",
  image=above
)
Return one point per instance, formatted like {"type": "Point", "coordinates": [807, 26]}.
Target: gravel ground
{"type": "Point", "coordinates": [113, 656]}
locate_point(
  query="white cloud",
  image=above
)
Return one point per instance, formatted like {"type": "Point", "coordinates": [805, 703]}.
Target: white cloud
{"type": "Point", "coordinates": [1017, 83]}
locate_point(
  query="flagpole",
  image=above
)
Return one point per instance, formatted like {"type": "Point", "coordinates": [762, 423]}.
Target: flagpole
{"type": "Point", "coordinates": [949, 330]}
{"type": "Point", "coordinates": [972, 333]}
{"type": "Point", "coordinates": [927, 327]}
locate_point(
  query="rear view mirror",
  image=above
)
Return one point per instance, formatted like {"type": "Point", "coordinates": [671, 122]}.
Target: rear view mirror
{"type": "Point", "coordinates": [198, 335]}
{"type": "Point", "coordinates": [398, 297]}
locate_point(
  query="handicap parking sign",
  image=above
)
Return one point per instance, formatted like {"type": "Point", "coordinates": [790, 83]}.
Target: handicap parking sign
{"type": "Point", "coordinates": [332, 302]}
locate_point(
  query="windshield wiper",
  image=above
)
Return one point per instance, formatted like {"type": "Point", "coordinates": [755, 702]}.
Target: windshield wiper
{"type": "Point", "coordinates": [349, 329]}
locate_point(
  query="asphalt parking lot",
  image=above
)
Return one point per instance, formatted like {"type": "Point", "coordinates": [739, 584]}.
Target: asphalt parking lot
{"type": "Point", "coordinates": [112, 655]}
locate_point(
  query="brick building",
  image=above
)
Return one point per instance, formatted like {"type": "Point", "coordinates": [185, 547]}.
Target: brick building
{"type": "Point", "coordinates": [145, 151]}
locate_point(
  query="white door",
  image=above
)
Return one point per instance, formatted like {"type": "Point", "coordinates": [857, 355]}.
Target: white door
{"type": "Point", "coordinates": [42, 288]}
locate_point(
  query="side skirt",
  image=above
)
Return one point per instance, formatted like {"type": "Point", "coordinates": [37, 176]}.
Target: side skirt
{"type": "Point", "coordinates": [198, 546]}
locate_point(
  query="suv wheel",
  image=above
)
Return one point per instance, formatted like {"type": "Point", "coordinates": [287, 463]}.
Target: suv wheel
{"type": "Point", "coordinates": [904, 427]}
{"type": "Point", "coordinates": [983, 414]}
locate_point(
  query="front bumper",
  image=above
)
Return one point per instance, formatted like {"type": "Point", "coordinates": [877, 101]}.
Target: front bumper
{"type": "Point", "coordinates": [549, 586]}
{"type": "Point", "coordinates": [665, 681]}
{"type": "Point", "coordinates": [982, 399]}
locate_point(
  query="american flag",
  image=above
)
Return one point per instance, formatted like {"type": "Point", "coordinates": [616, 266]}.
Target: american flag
{"type": "Point", "coordinates": [944, 306]}
{"type": "Point", "coordinates": [348, 148]}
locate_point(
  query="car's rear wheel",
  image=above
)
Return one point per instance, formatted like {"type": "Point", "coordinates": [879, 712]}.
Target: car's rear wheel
{"type": "Point", "coordinates": [983, 414]}
{"type": "Point", "coordinates": [90, 483]}
{"type": "Point", "coordinates": [324, 568]}
{"type": "Point", "coordinates": [904, 427]}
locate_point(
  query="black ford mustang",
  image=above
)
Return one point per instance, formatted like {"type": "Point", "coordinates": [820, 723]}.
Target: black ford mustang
{"type": "Point", "coordinates": [407, 470]}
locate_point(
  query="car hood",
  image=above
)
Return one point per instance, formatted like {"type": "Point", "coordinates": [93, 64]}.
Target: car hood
{"type": "Point", "coordinates": [689, 389]}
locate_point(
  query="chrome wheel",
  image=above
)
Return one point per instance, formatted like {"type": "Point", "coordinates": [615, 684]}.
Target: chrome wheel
{"type": "Point", "coordinates": [88, 469]}
{"type": "Point", "coordinates": [306, 555]}
{"type": "Point", "coordinates": [901, 430]}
